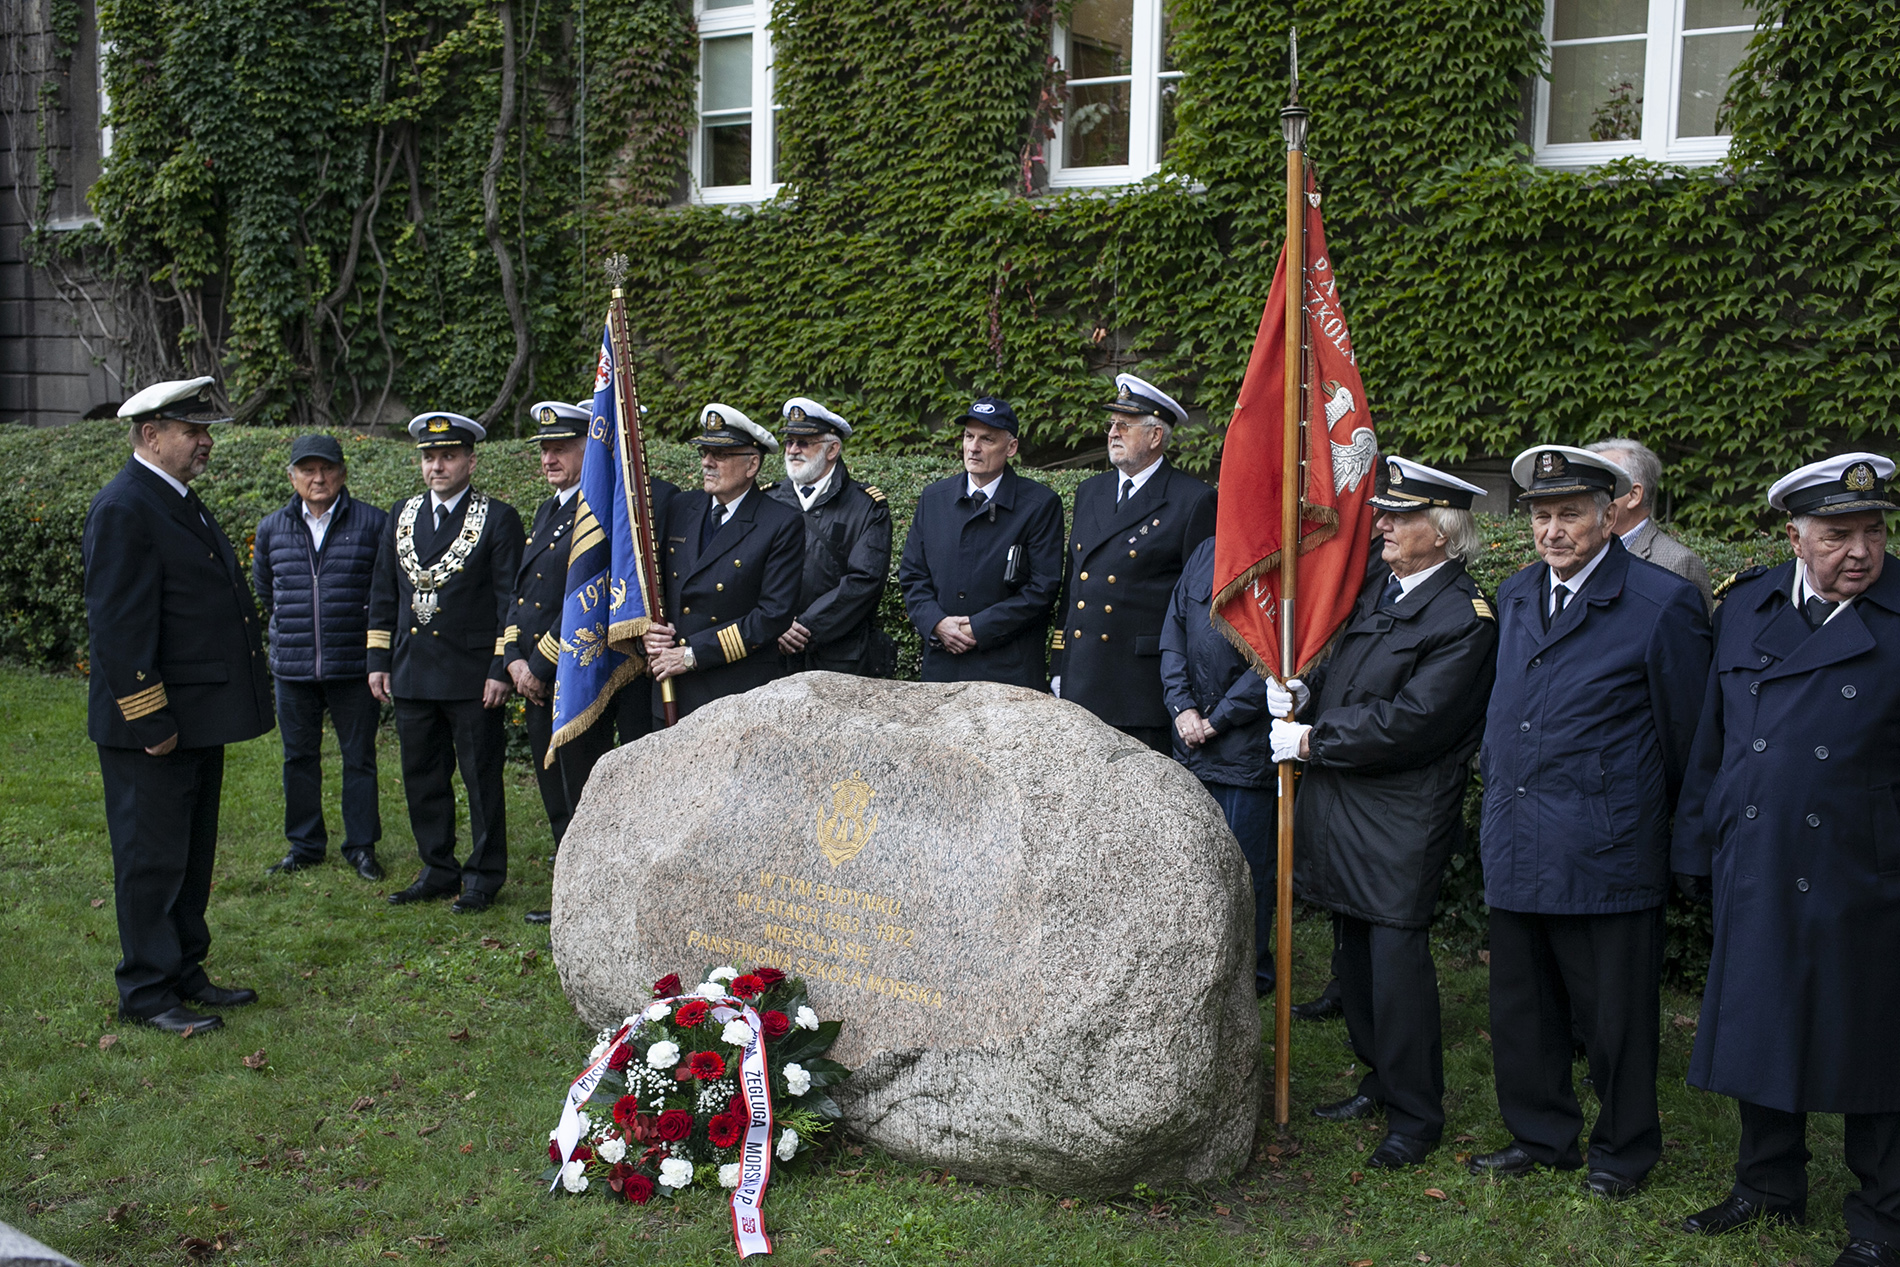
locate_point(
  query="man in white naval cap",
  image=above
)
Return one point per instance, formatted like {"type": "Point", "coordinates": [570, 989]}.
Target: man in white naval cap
{"type": "Point", "coordinates": [731, 563]}
{"type": "Point", "coordinates": [1602, 660]}
{"type": "Point", "coordinates": [1132, 532]}
{"type": "Point", "coordinates": [847, 548]}
{"type": "Point", "coordinates": [178, 672]}
{"type": "Point", "coordinates": [1386, 727]}
{"type": "Point", "coordinates": [438, 620]}
{"type": "Point", "coordinates": [1792, 804]}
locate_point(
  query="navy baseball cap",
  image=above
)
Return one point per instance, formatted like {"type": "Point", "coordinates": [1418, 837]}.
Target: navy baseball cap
{"type": "Point", "coordinates": [991, 411]}
{"type": "Point", "coordinates": [316, 446]}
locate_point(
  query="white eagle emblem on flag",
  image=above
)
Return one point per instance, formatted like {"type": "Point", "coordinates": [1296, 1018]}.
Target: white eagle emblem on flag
{"type": "Point", "coordinates": [1352, 461]}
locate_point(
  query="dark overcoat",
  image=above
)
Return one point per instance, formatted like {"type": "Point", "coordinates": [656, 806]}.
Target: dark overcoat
{"type": "Point", "coordinates": [174, 633]}
{"type": "Point", "coordinates": [1118, 579]}
{"type": "Point", "coordinates": [1397, 709]}
{"type": "Point", "coordinates": [450, 656]}
{"type": "Point", "coordinates": [955, 563]}
{"type": "Point", "coordinates": [1201, 670]}
{"type": "Point", "coordinates": [732, 600]}
{"type": "Point", "coordinates": [847, 565]}
{"type": "Point", "coordinates": [1587, 738]}
{"type": "Point", "coordinates": [1793, 805]}
{"type": "Point", "coordinates": [317, 600]}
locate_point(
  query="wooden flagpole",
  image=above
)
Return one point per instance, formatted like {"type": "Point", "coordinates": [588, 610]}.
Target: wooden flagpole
{"type": "Point", "coordinates": [1293, 125]}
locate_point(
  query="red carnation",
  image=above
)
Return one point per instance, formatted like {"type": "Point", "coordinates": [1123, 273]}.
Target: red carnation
{"type": "Point", "coordinates": [724, 1131]}
{"type": "Point", "coordinates": [582, 1153]}
{"type": "Point", "coordinates": [667, 986]}
{"type": "Point", "coordinates": [554, 1151]}
{"type": "Point", "coordinates": [691, 1014]}
{"type": "Point", "coordinates": [748, 987]}
{"type": "Point", "coordinates": [771, 976]}
{"type": "Point", "coordinates": [675, 1124]}
{"type": "Point", "coordinates": [706, 1065]}
{"type": "Point", "coordinates": [638, 1189]}
{"type": "Point", "coordinates": [619, 1057]}
{"type": "Point", "coordinates": [626, 1108]}
{"type": "Point", "coordinates": [775, 1024]}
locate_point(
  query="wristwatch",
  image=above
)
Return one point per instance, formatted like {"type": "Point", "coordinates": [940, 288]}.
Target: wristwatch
{"type": "Point", "coordinates": [686, 653]}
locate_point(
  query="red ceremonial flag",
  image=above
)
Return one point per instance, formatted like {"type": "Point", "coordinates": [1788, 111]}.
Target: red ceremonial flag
{"type": "Point", "coordinates": [1340, 453]}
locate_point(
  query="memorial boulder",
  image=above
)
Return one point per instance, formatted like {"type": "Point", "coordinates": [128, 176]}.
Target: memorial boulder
{"type": "Point", "coordinates": [1037, 931]}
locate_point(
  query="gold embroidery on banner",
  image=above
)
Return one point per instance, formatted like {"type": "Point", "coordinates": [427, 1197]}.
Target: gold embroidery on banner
{"type": "Point", "coordinates": [588, 646]}
{"type": "Point", "coordinates": [843, 834]}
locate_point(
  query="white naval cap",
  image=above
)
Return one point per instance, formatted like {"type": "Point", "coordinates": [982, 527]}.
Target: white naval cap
{"type": "Point", "coordinates": [1835, 486]}
{"type": "Point", "coordinates": [439, 428]}
{"type": "Point", "coordinates": [806, 417]}
{"type": "Point", "coordinates": [1560, 470]}
{"type": "Point", "coordinates": [1139, 396]}
{"type": "Point", "coordinates": [184, 399]}
{"type": "Point", "coordinates": [723, 427]}
{"type": "Point", "coordinates": [1412, 485]}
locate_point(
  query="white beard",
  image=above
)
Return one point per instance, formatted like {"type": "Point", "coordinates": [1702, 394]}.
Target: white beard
{"type": "Point", "coordinates": [804, 470]}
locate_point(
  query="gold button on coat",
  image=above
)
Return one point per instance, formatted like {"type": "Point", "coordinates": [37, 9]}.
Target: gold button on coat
{"type": "Point", "coordinates": [1085, 576]}
{"type": "Point", "coordinates": [720, 586]}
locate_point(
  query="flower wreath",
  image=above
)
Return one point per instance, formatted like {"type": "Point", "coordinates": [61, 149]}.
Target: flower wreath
{"type": "Point", "coordinates": [691, 1089]}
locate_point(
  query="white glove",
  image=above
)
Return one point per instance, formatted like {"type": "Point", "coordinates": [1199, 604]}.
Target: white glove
{"type": "Point", "coordinates": [1055, 686]}
{"type": "Point", "coordinates": [1282, 700]}
{"type": "Point", "coordinates": [1287, 737]}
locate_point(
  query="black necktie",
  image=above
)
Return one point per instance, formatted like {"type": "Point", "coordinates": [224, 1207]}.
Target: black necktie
{"type": "Point", "coordinates": [1393, 593]}
{"type": "Point", "coordinates": [1818, 610]}
{"type": "Point", "coordinates": [1563, 600]}
{"type": "Point", "coordinates": [715, 519]}
{"type": "Point", "coordinates": [979, 499]}
{"type": "Point", "coordinates": [1128, 490]}
{"type": "Point", "coordinates": [440, 511]}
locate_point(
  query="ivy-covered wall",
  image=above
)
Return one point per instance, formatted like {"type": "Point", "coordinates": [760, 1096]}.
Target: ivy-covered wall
{"type": "Point", "coordinates": [328, 201]}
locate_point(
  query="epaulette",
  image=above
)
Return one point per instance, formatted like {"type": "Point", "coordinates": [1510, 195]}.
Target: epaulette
{"type": "Point", "coordinates": [774, 484]}
{"type": "Point", "coordinates": [1746, 574]}
{"type": "Point", "coordinates": [875, 493]}
{"type": "Point", "coordinates": [1483, 608]}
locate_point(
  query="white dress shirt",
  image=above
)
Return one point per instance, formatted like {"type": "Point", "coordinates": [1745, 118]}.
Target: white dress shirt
{"type": "Point", "coordinates": [443, 509]}
{"type": "Point", "coordinates": [1409, 583]}
{"type": "Point", "coordinates": [1139, 479]}
{"type": "Point", "coordinates": [808, 493]}
{"type": "Point", "coordinates": [319, 525]}
{"type": "Point", "coordinates": [1804, 591]}
{"type": "Point", "coordinates": [730, 509]}
{"type": "Point", "coordinates": [971, 488]}
{"type": "Point", "coordinates": [1575, 584]}
{"type": "Point", "coordinates": [167, 476]}
{"type": "Point", "coordinates": [566, 495]}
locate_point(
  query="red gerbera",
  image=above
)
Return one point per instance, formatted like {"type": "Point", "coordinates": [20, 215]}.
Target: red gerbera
{"type": "Point", "coordinates": [724, 1131]}
{"type": "Point", "coordinates": [706, 1065]}
{"type": "Point", "coordinates": [748, 987]}
{"type": "Point", "coordinates": [775, 1024]}
{"type": "Point", "coordinates": [675, 1124]}
{"type": "Point", "coordinates": [638, 1189]}
{"type": "Point", "coordinates": [667, 986]}
{"type": "Point", "coordinates": [691, 1014]}
{"type": "Point", "coordinates": [626, 1108]}
{"type": "Point", "coordinates": [771, 976]}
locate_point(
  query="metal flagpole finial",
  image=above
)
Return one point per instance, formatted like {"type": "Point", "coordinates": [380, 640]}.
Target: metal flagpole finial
{"type": "Point", "coordinates": [616, 269]}
{"type": "Point", "coordinates": [1293, 117]}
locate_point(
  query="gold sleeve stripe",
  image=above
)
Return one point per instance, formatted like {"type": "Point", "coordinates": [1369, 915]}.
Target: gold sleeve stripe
{"type": "Point", "coordinates": [501, 646]}
{"type": "Point", "coordinates": [379, 640]}
{"type": "Point", "coordinates": [732, 643]}
{"type": "Point", "coordinates": [875, 493]}
{"type": "Point", "coordinates": [144, 703]}
{"type": "Point", "coordinates": [511, 633]}
{"type": "Point", "coordinates": [1058, 644]}
{"type": "Point", "coordinates": [1483, 609]}
{"type": "Point", "coordinates": [549, 646]}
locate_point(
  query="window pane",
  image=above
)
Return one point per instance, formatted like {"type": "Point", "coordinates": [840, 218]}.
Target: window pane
{"type": "Point", "coordinates": [1170, 90]}
{"type": "Point", "coordinates": [1586, 19]}
{"type": "Point", "coordinates": [728, 152]}
{"type": "Point", "coordinates": [725, 73]}
{"type": "Point", "coordinates": [1167, 36]}
{"type": "Point", "coordinates": [1596, 92]}
{"type": "Point", "coordinates": [1101, 38]}
{"type": "Point", "coordinates": [1698, 14]}
{"type": "Point", "coordinates": [1095, 133]}
{"type": "Point", "coordinates": [724, 4]}
{"type": "Point", "coordinates": [1707, 62]}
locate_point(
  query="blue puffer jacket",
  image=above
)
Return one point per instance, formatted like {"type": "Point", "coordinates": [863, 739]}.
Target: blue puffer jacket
{"type": "Point", "coordinates": [318, 601]}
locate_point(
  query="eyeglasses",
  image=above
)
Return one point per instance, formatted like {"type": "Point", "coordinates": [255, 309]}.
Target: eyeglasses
{"type": "Point", "coordinates": [1129, 424]}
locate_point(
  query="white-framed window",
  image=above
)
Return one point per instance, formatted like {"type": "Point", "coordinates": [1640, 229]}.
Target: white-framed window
{"type": "Point", "coordinates": [1118, 119]}
{"type": "Point", "coordinates": [735, 148]}
{"type": "Point", "coordinates": [1638, 77]}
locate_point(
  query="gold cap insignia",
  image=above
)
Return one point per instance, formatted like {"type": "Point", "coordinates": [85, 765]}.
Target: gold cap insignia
{"type": "Point", "coordinates": [1859, 477]}
{"type": "Point", "coordinates": [438, 425]}
{"type": "Point", "coordinates": [1397, 476]}
{"type": "Point", "coordinates": [547, 416]}
{"type": "Point", "coordinates": [1122, 393]}
{"type": "Point", "coordinates": [797, 414]}
{"type": "Point", "coordinates": [1551, 465]}
{"type": "Point", "coordinates": [715, 421]}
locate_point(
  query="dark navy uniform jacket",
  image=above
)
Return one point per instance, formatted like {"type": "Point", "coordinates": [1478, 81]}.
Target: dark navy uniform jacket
{"type": "Point", "coordinates": [460, 648]}
{"type": "Point", "coordinates": [1201, 670]}
{"type": "Point", "coordinates": [732, 600]}
{"type": "Point", "coordinates": [955, 563]}
{"type": "Point", "coordinates": [847, 565]}
{"type": "Point", "coordinates": [173, 629]}
{"type": "Point", "coordinates": [1793, 805]}
{"type": "Point", "coordinates": [1121, 566]}
{"type": "Point", "coordinates": [1587, 738]}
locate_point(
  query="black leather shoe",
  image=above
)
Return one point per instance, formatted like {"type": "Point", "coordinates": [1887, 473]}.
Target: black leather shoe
{"type": "Point", "coordinates": [1324, 1008]}
{"type": "Point", "coordinates": [1737, 1212]}
{"type": "Point", "coordinates": [1506, 1163]}
{"type": "Point", "coordinates": [1610, 1186]}
{"type": "Point", "coordinates": [1396, 1151]}
{"type": "Point", "coordinates": [218, 996]}
{"type": "Point", "coordinates": [290, 863]}
{"type": "Point", "coordinates": [538, 917]}
{"type": "Point", "coordinates": [471, 903]}
{"type": "Point", "coordinates": [1860, 1253]}
{"type": "Point", "coordinates": [1348, 1110]}
{"type": "Point", "coordinates": [179, 1020]}
{"type": "Point", "coordinates": [367, 866]}
{"type": "Point", "coordinates": [419, 892]}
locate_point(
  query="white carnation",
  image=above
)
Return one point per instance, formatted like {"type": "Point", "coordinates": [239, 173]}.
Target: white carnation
{"type": "Point", "coordinates": [675, 1173]}
{"type": "Point", "coordinates": [722, 974]}
{"type": "Point", "coordinates": [710, 991]}
{"type": "Point", "coordinates": [738, 1033]}
{"type": "Point", "coordinates": [600, 1049]}
{"type": "Point", "coordinates": [663, 1055]}
{"type": "Point", "coordinates": [788, 1145]}
{"type": "Point", "coordinates": [612, 1150]}
{"type": "Point", "coordinates": [658, 1012]}
{"type": "Point", "coordinates": [729, 1175]}
{"type": "Point", "coordinates": [807, 1019]}
{"type": "Point", "coordinates": [797, 1078]}
{"type": "Point", "coordinates": [585, 1121]}
{"type": "Point", "coordinates": [574, 1176]}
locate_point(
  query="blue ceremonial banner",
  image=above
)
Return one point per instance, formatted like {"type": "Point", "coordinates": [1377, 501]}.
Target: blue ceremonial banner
{"type": "Point", "coordinates": [607, 608]}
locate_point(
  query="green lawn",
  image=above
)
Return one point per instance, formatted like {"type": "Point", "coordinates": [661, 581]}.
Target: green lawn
{"type": "Point", "coordinates": [415, 1060]}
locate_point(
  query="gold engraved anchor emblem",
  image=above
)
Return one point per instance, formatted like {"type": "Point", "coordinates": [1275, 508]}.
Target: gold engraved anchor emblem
{"type": "Point", "coordinates": [842, 834]}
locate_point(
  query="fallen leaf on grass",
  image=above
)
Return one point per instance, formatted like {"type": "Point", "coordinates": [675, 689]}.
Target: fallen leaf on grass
{"type": "Point", "coordinates": [307, 975]}
{"type": "Point", "coordinates": [429, 1130]}
{"type": "Point", "coordinates": [460, 1035]}
{"type": "Point", "coordinates": [98, 902]}
{"type": "Point", "coordinates": [200, 1248]}
{"type": "Point", "coordinates": [1484, 957]}
{"type": "Point", "coordinates": [1356, 1177]}
{"type": "Point", "coordinates": [1222, 1210]}
{"type": "Point", "coordinates": [188, 1031]}
{"type": "Point", "coordinates": [106, 1040]}
{"type": "Point", "coordinates": [1485, 1036]}
{"type": "Point", "coordinates": [1067, 1203]}
{"type": "Point", "coordinates": [471, 1095]}
{"type": "Point", "coordinates": [1436, 1194]}
{"type": "Point", "coordinates": [1423, 1257]}
{"type": "Point", "coordinates": [1361, 1262]}
{"type": "Point", "coordinates": [468, 1148]}
{"type": "Point", "coordinates": [119, 1213]}
{"type": "Point", "coordinates": [1684, 1022]}
{"type": "Point", "coordinates": [256, 1060]}
{"type": "Point", "coordinates": [363, 1103]}
{"type": "Point", "coordinates": [1464, 1139]}
{"type": "Point", "coordinates": [491, 943]}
